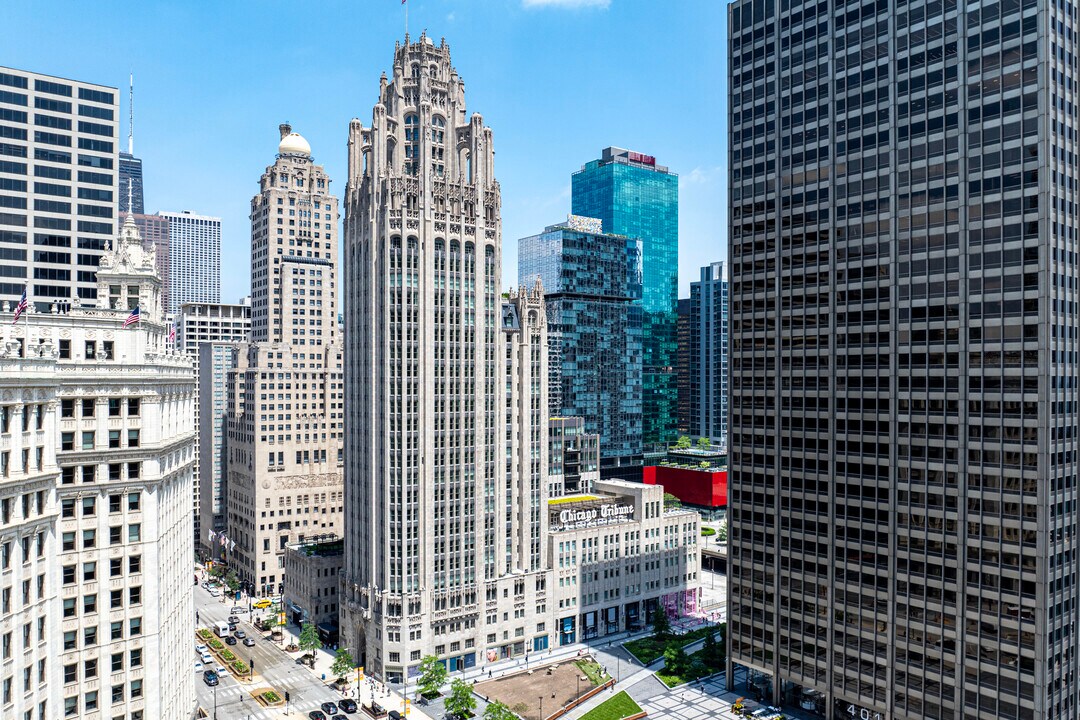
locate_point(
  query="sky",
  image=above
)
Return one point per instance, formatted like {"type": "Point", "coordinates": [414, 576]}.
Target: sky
{"type": "Point", "coordinates": [556, 80]}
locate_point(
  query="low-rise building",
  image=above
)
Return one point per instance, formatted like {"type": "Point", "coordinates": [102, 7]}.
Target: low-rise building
{"type": "Point", "coordinates": [617, 555]}
{"type": "Point", "coordinates": [698, 477]}
{"type": "Point", "coordinates": [311, 584]}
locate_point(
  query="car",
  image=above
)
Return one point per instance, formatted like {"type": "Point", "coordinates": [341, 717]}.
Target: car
{"type": "Point", "coordinates": [394, 715]}
{"type": "Point", "coordinates": [215, 592]}
{"type": "Point", "coordinates": [210, 678]}
{"type": "Point", "coordinates": [230, 640]}
{"type": "Point", "coordinates": [316, 715]}
{"type": "Point", "coordinates": [329, 708]}
{"type": "Point", "coordinates": [347, 705]}
{"type": "Point", "coordinates": [249, 642]}
{"type": "Point", "coordinates": [206, 658]}
{"type": "Point", "coordinates": [199, 666]}
{"type": "Point", "coordinates": [200, 648]}
{"type": "Point", "coordinates": [339, 717]}
{"type": "Point", "coordinates": [233, 619]}
{"type": "Point", "coordinates": [221, 669]}
{"type": "Point", "coordinates": [240, 634]}
{"type": "Point", "coordinates": [262, 604]}
{"type": "Point", "coordinates": [238, 610]}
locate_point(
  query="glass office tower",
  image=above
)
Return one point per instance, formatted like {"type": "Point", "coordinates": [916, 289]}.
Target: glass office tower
{"type": "Point", "coordinates": [903, 440]}
{"type": "Point", "coordinates": [635, 197]}
{"type": "Point", "coordinates": [592, 285]}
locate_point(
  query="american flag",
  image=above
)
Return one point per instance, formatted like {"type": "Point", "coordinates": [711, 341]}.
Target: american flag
{"type": "Point", "coordinates": [133, 317]}
{"type": "Point", "coordinates": [172, 333]}
{"type": "Point", "coordinates": [21, 307]}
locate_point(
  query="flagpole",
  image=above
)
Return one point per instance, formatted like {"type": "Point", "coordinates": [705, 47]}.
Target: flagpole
{"type": "Point", "coordinates": [406, 4]}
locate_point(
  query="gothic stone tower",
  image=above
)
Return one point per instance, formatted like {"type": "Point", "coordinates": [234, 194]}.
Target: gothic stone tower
{"type": "Point", "coordinates": [428, 551]}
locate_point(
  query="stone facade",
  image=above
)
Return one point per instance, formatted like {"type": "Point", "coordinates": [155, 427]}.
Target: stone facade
{"type": "Point", "coordinates": [105, 526]}
{"type": "Point", "coordinates": [285, 390]}
{"type": "Point", "coordinates": [311, 582]}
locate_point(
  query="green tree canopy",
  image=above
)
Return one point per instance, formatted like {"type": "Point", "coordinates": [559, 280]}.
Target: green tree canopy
{"type": "Point", "coordinates": [703, 443]}
{"type": "Point", "coordinates": [309, 640]}
{"type": "Point", "coordinates": [343, 663]}
{"type": "Point", "coordinates": [683, 443]}
{"type": "Point", "coordinates": [498, 711]}
{"type": "Point", "coordinates": [660, 623]}
{"type": "Point", "coordinates": [461, 701]}
{"type": "Point", "coordinates": [721, 531]}
{"type": "Point", "coordinates": [670, 501]}
{"type": "Point", "coordinates": [432, 676]}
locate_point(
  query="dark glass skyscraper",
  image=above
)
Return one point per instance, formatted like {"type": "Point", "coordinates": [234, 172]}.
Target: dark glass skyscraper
{"type": "Point", "coordinates": [904, 279]}
{"type": "Point", "coordinates": [131, 172]}
{"type": "Point", "coordinates": [635, 197]}
{"type": "Point", "coordinates": [592, 281]}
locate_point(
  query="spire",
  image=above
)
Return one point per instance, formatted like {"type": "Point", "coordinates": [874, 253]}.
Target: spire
{"type": "Point", "coordinates": [131, 122]}
{"type": "Point", "coordinates": [130, 211]}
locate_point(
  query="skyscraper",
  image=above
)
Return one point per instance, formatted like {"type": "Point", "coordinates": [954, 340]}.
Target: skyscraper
{"type": "Point", "coordinates": [284, 393]}
{"type": "Point", "coordinates": [903, 318]}
{"type": "Point", "coordinates": [58, 157]}
{"type": "Point", "coordinates": [635, 197]}
{"type": "Point", "coordinates": [426, 497]}
{"type": "Point", "coordinates": [708, 354]}
{"type": "Point", "coordinates": [592, 282]}
{"type": "Point", "coordinates": [683, 364]}
{"type": "Point", "coordinates": [194, 270]}
{"type": "Point", "coordinates": [131, 175]}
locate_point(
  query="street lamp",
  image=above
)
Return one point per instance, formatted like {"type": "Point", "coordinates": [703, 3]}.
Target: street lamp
{"type": "Point", "coordinates": [215, 702]}
{"type": "Point", "coordinates": [541, 708]}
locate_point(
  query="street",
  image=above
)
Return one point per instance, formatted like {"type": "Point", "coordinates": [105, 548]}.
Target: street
{"type": "Point", "coordinates": [277, 668]}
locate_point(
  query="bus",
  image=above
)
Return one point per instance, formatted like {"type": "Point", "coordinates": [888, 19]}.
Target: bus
{"type": "Point", "coordinates": [221, 629]}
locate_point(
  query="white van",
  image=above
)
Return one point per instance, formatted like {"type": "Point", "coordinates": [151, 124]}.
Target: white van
{"type": "Point", "coordinates": [221, 629]}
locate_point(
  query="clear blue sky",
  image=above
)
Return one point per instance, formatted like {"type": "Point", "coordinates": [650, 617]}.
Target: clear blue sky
{"type": "Point", "coordinates": [557, 81]}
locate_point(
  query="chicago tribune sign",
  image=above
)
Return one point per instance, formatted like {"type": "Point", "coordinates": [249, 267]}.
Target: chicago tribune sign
{"type": "Point", "coordinates": [597, 514]}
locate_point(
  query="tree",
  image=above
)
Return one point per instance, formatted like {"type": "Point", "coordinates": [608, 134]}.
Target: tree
{"type": "Point", "coordinates": [703, 443]}
{"type": "Point", "coordinates": [343, 663]}
{"type": "Point", "coordinates": [309, 640]}
{"type": "Point", "coordinates": [432, 676]}
{"type": "Point", "coordinates": [675, 660]}
{"type": "Point", "coordinates": [721, 531]}
{"type": "Point", "coordinates": [670, 501]}
{"type": "Point", "coordinates": [711, 651]}
{"type": "Point", "coordinates": [683, 443]}
{"type": "Point", "coordinates": [461, 701]}
{"type": "Point", "coordinates": [498, 711]}
{"type": "Point", "coordinates": [661, 625]}
{"type": "Point", "coordinates": [232, 582]}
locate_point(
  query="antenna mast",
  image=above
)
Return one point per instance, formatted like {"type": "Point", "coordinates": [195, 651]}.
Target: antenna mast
{"type": "Point", "coordinates": [131, 114]}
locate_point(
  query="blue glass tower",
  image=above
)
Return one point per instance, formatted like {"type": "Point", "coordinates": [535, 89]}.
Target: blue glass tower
{"type": "Point", "coordinates": [592, 290]}
{"type": "Point", "coordinates": [635, 197]}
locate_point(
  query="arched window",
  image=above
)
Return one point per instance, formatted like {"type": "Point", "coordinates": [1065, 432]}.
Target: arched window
{"type": "Point", "coordinates": [416, 70]}
{"type": "Point", "coordinates": [412, 144]}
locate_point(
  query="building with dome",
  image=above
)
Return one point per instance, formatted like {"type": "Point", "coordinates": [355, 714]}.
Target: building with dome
{"type": "Point", "coordinates": [284, 431]}
{"type": "Point", "coordinates": [97, 449]}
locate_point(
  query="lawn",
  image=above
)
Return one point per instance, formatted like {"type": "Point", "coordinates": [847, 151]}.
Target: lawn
{"type": "Point", "coordinates": [593, 671]}
{"type": "Point", "coordinates": [651, 648]}
{"type": "Point", "coordinates": [619, 706]}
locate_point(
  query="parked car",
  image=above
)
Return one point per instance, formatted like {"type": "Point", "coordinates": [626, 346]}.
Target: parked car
{"type": "Point", "coordinates": [221, 669]}
{"type": "Point", "coordinates": [200, 648]}
{"type": "Point", "coordinates": [215, 592]}
{"type": "Point", "coordinates": [329, 708]}
{"type": "Point", "coordinates": [316, 715]}
{"type": "Point", "coordinates": [394, 715]}
{"type": "Point", "coordinates": [240, 634]}
{"type": "Point", "coordinates": [210, 678]}
{"type": "Point", "coordinates": [249, 642]}
{"type": "Point", "coordinates": [347, 706]}
{"type": "Point", "coordinates": [199, 666]}
{"type": "Point", "coordinates": [206, 657]}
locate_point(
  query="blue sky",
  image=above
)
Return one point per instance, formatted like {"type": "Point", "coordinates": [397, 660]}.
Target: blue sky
{"type": "Point", "coordinates": [557, 81]}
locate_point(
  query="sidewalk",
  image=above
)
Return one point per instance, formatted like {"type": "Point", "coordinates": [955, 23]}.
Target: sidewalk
{"type": "Point", "coordinates": [624, 684]}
